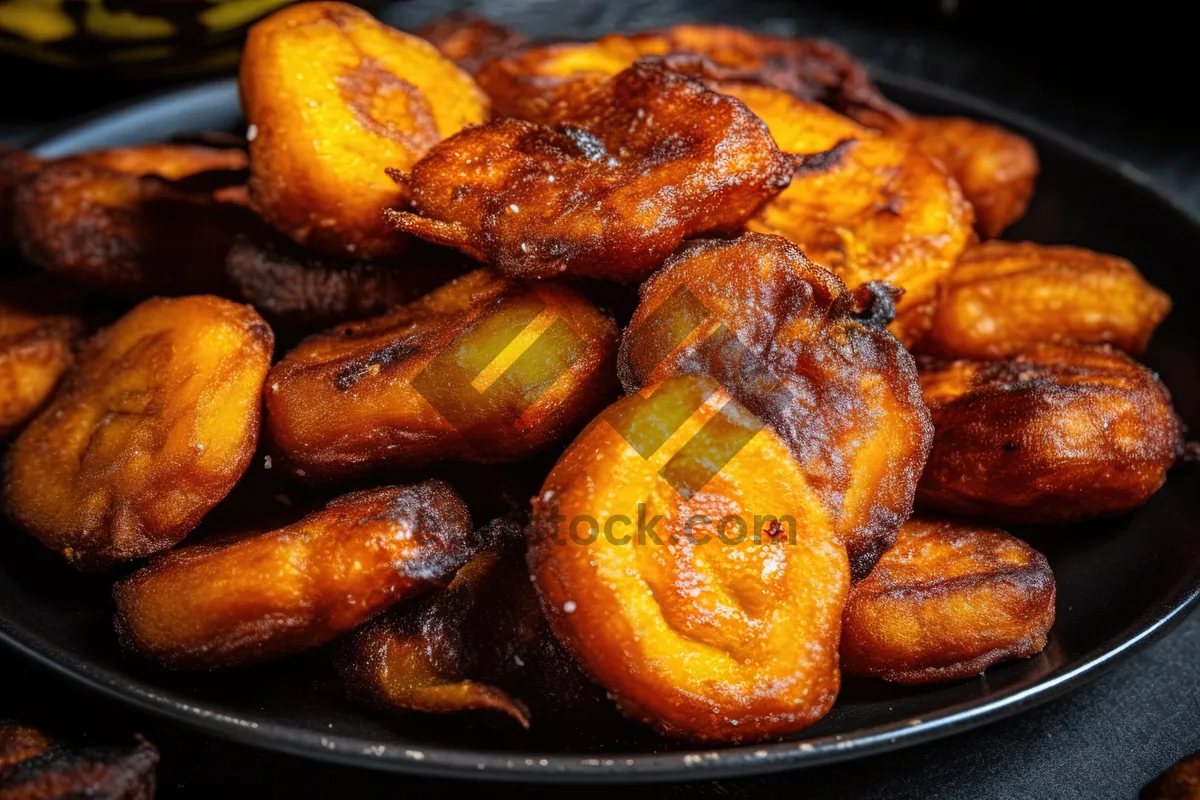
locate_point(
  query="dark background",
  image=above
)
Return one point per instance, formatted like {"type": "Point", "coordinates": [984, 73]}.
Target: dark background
{"type": "Point", "coordinates": [1120, 78]}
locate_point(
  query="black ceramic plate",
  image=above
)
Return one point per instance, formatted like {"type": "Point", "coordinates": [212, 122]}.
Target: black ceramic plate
{"type": "Point", "coordinates": [1120, 582]}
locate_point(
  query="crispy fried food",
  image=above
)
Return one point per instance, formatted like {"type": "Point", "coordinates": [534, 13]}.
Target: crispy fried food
{"type": "Point", "coordinates": [647, 159]}
{"type": "Point", "coordinates": [217, 605]}
{"type": "Point", "coordinates": [14, 166]}
{"type": "Point", "coordinates": [172, 162]}
{"type": "Point", "coordinates": [333, 97]}
{"type": "Point", "coordinates": [793, 345]}
{"type": "Point", "coordinates": [1054, 435]}
{"type": "Point", "coordinates": [294, 287]}
{"type": "Point", "coordinates": [122, 234]}
{"type": "Point", "coordinates": [470, 40]}
{"type": "Point", "coordinates": [19, 742]}
{"type": "Point", "coordinates": [995, 167]}
{"type": "Point", "coordinates": [947, 602]}
{"type": "Point", "coordinates": [485, 369]}
{"type": "Point", "coordinates": [1180, 782]}
{"type": "Point", "coordinates": [452, 651]}
{"type": "Point", "coordinates": [1004, 298]}
{"type": "Point", "coordinates": [532, 82]}
{"type": "Point", "coordinates": [881, 211]}
{"type": "Point", "coordinates": [710, 606]}
{"type": "Point", "coordinates": [154, 426]}
{"type": "Point", "coordinates": [103, 773]}
{"type": "Point", "coordinates": [36, 349]}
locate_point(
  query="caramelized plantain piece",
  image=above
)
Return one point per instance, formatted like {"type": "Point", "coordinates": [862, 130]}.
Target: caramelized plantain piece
{"type": "Point", "coordinates": [172, 162]}
{"type": "Point", "coordinates": [122, 234]}
{"type": "Point", "coordinates": [1004, 298]}
{"type": "Point", "coordinates": [486, 369]}
{"type": "Point", "coordinates": [224, 604]}
{"type": "Point", "coordinates": [333, 97]}
{"type": "Point", "coordinates": [1053, 435]}
{"type": "Point", "coordinates": [532, 82]}
{"type": "Point", "coordinates": [19, 742]}
{"type": "Point", "coordinates": [645, 160]}
{"type": "Point", "coordinates": [452, 651]}
{"type": "Point", "coordinates": [947, 602]}
{"type": "Point", "coordinates": [154, 426]}
{"type": "Point", "coordinates": [97, 773]}
{"type": "Point", "coordinates": [995, 167]}
{"type": "Point", "coordinates": [1180, 782]}
{"type": "Point", "coordinates": [793, 345]}
{"type": "Point", "coordinates": [297, 288]}
{"type": "Point", "coordinates": [469, 40]}
{"type": "Point", "coordinates": [684, 559]}
{"type": "Point", "coordinates": [36, 349]}
{"type": "Point", "coordinates": [14, 166]}
{"type": "Point", "coordinates": [881, 211]}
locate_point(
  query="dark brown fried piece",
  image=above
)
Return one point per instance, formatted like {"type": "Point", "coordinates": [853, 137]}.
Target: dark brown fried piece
{"type": "Point", "coordinates": [1180, 782]}
{"type": "Point", "coordinates": [1054, 435]}
{"type": "Point", "coordinates": [644, 161]}
{"type": "Point", "coordinates": [19, 742]}
{"type": "Point", "coordinates": [486, 369]}
{"type": "Point", "coordinates": [36, 349]}
{"type": "Point", "coordinates": [333, 97]}
{"type": "Point", "coordinates": [710, 606]}
{"type": "Point", "coordinates": [790, 342]}
{"type": "Point", "coordinates": [297, 288]}
{"type": "Point", "coordinates": [947, 602]}
{"type": "Point", "coordinates": [995, 167]}
{"type": "Point", "coordinates": [1004, 298]}
{"type": "Point", "coordinates": [211, 606]}
{"type": "Point", "coordinates": [96, 773]}
{"type": "Point", "coordinates": [122, 234]}
{"type": "Point", "coordinates": [453, 650]}
{"type": "Point", "coordinates": [468, 39]}
{"type": "Point", "coordinates": [153, 427]}
{"type": "Point", "coordinates": [14, 166]}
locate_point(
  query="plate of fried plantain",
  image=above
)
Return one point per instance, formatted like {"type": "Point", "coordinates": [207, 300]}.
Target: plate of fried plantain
{"type": "Point", "coordinates": [669, 404]}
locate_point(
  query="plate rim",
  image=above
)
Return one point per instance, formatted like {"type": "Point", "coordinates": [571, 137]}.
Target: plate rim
{"type": "Point", "coordinates": [676, 765]}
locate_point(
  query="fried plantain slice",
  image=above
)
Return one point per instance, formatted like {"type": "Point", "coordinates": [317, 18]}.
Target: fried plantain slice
{"type": "Point", "coordinates": [1006, 297]}
{"type": "Point", "coordinates": [153, 427]}
{"type": "Point", "coordinates": [36, 349]}
{"type": "Point", "coordinates": [172, 162]}
{"type": "Point", "coordinates": [645, 160]}
{"type": "Point", "coordinates": [297, 288]}
{"type": "Point", "coordinates": [452, 651]}
{"type": "Point", "coordinates": [469, 40]}
{"type": "Point", "coordinates": [533, 81]}
{"type": "Point", "coordinates": [1053, 435]}
{"type": "Point", "coordinates": [995, 167]}
{"type": "Point", "coordinates": [333, 97]}
{"type": "Point", "coordinates": [19, 742]}
{"type": "Point", "coordinates": [102, 773]}
{"type": "Point", "coordinates": [710, 606]}
{"type": "Point", "coordinates": [486, 369]}
{"type": "Point", "coordinates": [15, 165]}
{"type": "Point", "coordinates": [792, 344]}
{"type": "Point", "coordinates": [120, 233]}
{"type": "Point", "coordinates": [1180, 782]}
{"type": "Point", "coordinates": [948, 601]}
{"type": "Point", "coordinates": [210, 606]}
{"type": "Point", "coordinates": [881, 211]}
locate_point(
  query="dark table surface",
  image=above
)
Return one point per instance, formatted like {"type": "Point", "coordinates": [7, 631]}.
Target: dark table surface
{"type": "Point", "coordinates": [1104, 741]}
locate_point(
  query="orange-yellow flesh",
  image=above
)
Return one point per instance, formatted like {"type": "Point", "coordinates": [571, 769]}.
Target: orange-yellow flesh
{"type": "Point", "coordinates": [156, 423]}
{"type": "Point", "coordinates": [221, 605]}
{"type": "Point", "coordinates": [946, 602]}
{"type": "Point", "coordinates": [36, 349]}
{"type": "Point", "coordinates": [169, 161]}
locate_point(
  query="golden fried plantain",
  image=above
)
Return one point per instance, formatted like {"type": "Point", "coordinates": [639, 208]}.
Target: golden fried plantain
{"type": "Point", "coordinates": [15, 165]}
{"type": "Point", "coordinates": [486, 368]}
{"type": "Point", "coordinates": [1006, 297]}
{"type": "Point", "coordinates": [122, 234]}
{"type": "Point", "coordinates": [333, 97]}
{"type": "Point", "coordinates": [882, 211]}
{"type": "Point", "coordinates": [19, 742]}
{"type": "Point", "coordinates": [1053, 435]}
{"type": "Point", "coordinates": [36, 349]}
{"type": "Point", "coordinates": [153, 427]}
{"type": "Point", "coordinates": [684, 559]}
{"type": "Point", "coordinates": [210, 606]}
{"type": "Point", "coordinates": [294, 287]}
{"type": "Point", "coordinates": [995, 167]}
{"type": "Point", "coordinates": [469, 40]}
{"type": "Point", "coordinates": [452, 651]}
{"type": "Point", "coordinates": [947, 602]}
{"type": "Point", "coordinates": [793, 345]}
{"type": "Point", "coordinates": [645, 160]}
{"type": "Point", "coordinates": [100, 773]}
{"type": "Point", "coordinates": [172, 162]}
{"type": "Point", "coordinates": [1180, 782]}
